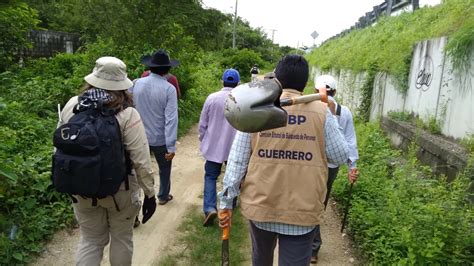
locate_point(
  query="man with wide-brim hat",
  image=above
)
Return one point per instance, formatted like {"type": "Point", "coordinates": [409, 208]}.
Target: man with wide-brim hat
{"type": "Point", "coordinates": [160, 59]}
{"type": "Point", "coordinates": [156, 101]}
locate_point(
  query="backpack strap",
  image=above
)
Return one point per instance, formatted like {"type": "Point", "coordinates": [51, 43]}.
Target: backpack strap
{"type": "Point", "coordinates": [338, 110]}
{"type": "Point", "coordinates": [128, 161]}
{"type": "Point", "coordinates": [109, 112]}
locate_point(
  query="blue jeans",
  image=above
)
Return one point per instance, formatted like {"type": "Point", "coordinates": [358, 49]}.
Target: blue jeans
{"type": "Point", "coordinates": [164, 171]}
{"type": "Point", "coordinates": [212, 172]}
{"type": "Point", "coordinates": [317, 241]}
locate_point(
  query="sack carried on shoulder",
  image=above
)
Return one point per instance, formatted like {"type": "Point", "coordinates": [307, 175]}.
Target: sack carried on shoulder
{"type": "Point", "coordinates": [90, 160]}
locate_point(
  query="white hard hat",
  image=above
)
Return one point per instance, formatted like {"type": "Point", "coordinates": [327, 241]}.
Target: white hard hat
{"type": "Point", "coordinates": [325, 81]}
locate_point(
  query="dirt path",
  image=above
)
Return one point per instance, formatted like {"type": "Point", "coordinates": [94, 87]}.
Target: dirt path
{"type": "Point", "coordinates": [151, 240]}
{"type": "Point", "coordinates": [336, 248]}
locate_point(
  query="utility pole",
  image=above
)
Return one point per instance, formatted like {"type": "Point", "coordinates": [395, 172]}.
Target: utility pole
{"type": "Point", "coordinates": [273, 34]}
{"type": "Point", "coordinates": [273, 44]}
{"type": "Point", "coordinates": [235, 22]}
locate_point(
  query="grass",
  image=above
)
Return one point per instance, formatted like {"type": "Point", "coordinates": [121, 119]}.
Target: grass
{"type": "Point", "coordinates": [389, 43]}
{"type": "Point", "coordinates": [400, 116]}
{"type": "Point", "coordinates": [199, 245]}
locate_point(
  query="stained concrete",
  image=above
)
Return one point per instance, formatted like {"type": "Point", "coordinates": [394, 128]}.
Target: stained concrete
{"type": "Point", "coordinates": [445, 157]}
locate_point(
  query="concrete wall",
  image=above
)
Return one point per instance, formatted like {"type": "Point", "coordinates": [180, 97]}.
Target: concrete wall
{"type": "Point", "coordinates": [425, 78]}
{"type": "Point", "coordinates": [456, 104]}
{"type": "Point", "coordinates": [393, 100]}
{"type": "Point", "coordinates": [435, 90]}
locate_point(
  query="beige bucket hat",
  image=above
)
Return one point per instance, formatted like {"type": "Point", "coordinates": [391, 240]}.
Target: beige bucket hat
{"type": "Point", "coordinates": [110, 73]}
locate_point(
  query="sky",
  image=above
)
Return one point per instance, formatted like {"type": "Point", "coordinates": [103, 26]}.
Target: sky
{"type": "Point", "coordinates": [295, 20]}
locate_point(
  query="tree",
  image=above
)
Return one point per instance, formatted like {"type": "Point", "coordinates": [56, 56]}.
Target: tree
{"type": "Point", "coordinates": [16, 20]}
{"type": "Point", "coordinates": [242, 60]}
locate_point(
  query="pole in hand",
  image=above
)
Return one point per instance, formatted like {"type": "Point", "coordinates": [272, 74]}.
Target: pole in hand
{"type": "Point", "coordinates": [346, 211]}
{"type": "Point", "coordinates": [225, 241]}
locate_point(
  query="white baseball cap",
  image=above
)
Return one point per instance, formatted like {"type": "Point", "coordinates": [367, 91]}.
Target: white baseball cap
{"type": "Point", "coordinates": [325, 81]}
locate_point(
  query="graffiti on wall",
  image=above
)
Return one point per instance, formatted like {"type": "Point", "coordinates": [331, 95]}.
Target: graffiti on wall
{"type": "Point", "coordinates": [425, 74]}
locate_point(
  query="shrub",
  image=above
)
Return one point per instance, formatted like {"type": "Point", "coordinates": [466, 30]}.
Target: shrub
{"type": "Point", "coordinates": [242, 60]}
{"type": "Point", "coordinates": [16, 21]}
{"type": "Point", "coordinates": [400, 116]}
{"type": "Point", "coordinates": [399, 216]}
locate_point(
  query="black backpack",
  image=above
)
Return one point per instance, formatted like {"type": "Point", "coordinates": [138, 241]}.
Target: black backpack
{"type": "Point", "coordinates": [90, 159]}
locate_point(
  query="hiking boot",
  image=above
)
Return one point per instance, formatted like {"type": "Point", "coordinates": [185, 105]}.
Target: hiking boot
{"type": "Point", "coordinates": [314, 259]}
{"type": "Point", "coordinates": [210, 217]}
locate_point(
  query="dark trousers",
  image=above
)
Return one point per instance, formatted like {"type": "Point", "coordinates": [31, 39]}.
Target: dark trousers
{"type": "Point", "coordinates": [332, 174]}
{"type": "Point", "coordinates": [164, 171]}
{"type": "Point", "coordinates": [292, 250]}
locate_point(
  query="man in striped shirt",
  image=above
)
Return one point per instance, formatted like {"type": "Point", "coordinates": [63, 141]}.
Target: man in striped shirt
{"type": "Point", "coordinates": [284, 188]}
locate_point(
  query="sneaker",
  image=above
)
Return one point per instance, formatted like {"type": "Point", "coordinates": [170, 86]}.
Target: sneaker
{"type": "Point", "coordinates": [314, 259]}
{"type": "Point", "coordinates": [209, 220]}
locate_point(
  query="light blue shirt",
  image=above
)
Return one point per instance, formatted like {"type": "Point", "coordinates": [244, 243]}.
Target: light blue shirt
{"type": "Point", "coordinates": [156, 101]}
{"type": "Point", "coordinates": [347, 126]}
{"type": "Point", "coordinates": [336, 152]}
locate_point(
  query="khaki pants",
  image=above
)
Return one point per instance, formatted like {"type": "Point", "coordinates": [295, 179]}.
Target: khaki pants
{"type": "Point", "coordinates": [100, 223]}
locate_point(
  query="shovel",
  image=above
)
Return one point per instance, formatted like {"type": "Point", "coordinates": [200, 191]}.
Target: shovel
{"type": "Point", "coordinates": [256, 106]}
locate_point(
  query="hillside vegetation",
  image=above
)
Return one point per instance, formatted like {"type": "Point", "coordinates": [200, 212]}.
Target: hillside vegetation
{"type": "Point", "coordinates": [388, 45]}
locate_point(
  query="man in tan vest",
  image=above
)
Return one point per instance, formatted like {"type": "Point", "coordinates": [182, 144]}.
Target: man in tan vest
{"type": "Point", "coordinates": [285, 172]}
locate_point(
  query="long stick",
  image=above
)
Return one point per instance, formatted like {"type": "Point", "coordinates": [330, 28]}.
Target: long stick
{"type": "Point", "coordinates": [347, 208]}
{"type": "Point", "coordinates": [225, 246]}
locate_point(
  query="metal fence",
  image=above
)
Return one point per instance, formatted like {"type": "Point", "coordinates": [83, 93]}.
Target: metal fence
{"type": "Point", "coordinates": [387, 8]}
{"type": "Point", "coordinates": [47, 43]}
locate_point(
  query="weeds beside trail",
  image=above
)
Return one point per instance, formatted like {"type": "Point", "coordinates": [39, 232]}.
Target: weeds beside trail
{"type": "Point", "coordinates": [401, 213]}
{"type": "Point", "coordinates": [199, 245]}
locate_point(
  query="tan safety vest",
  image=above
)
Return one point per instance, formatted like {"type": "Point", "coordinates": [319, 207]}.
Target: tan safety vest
{"type": "Point", "coordinates": [287, 173]}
